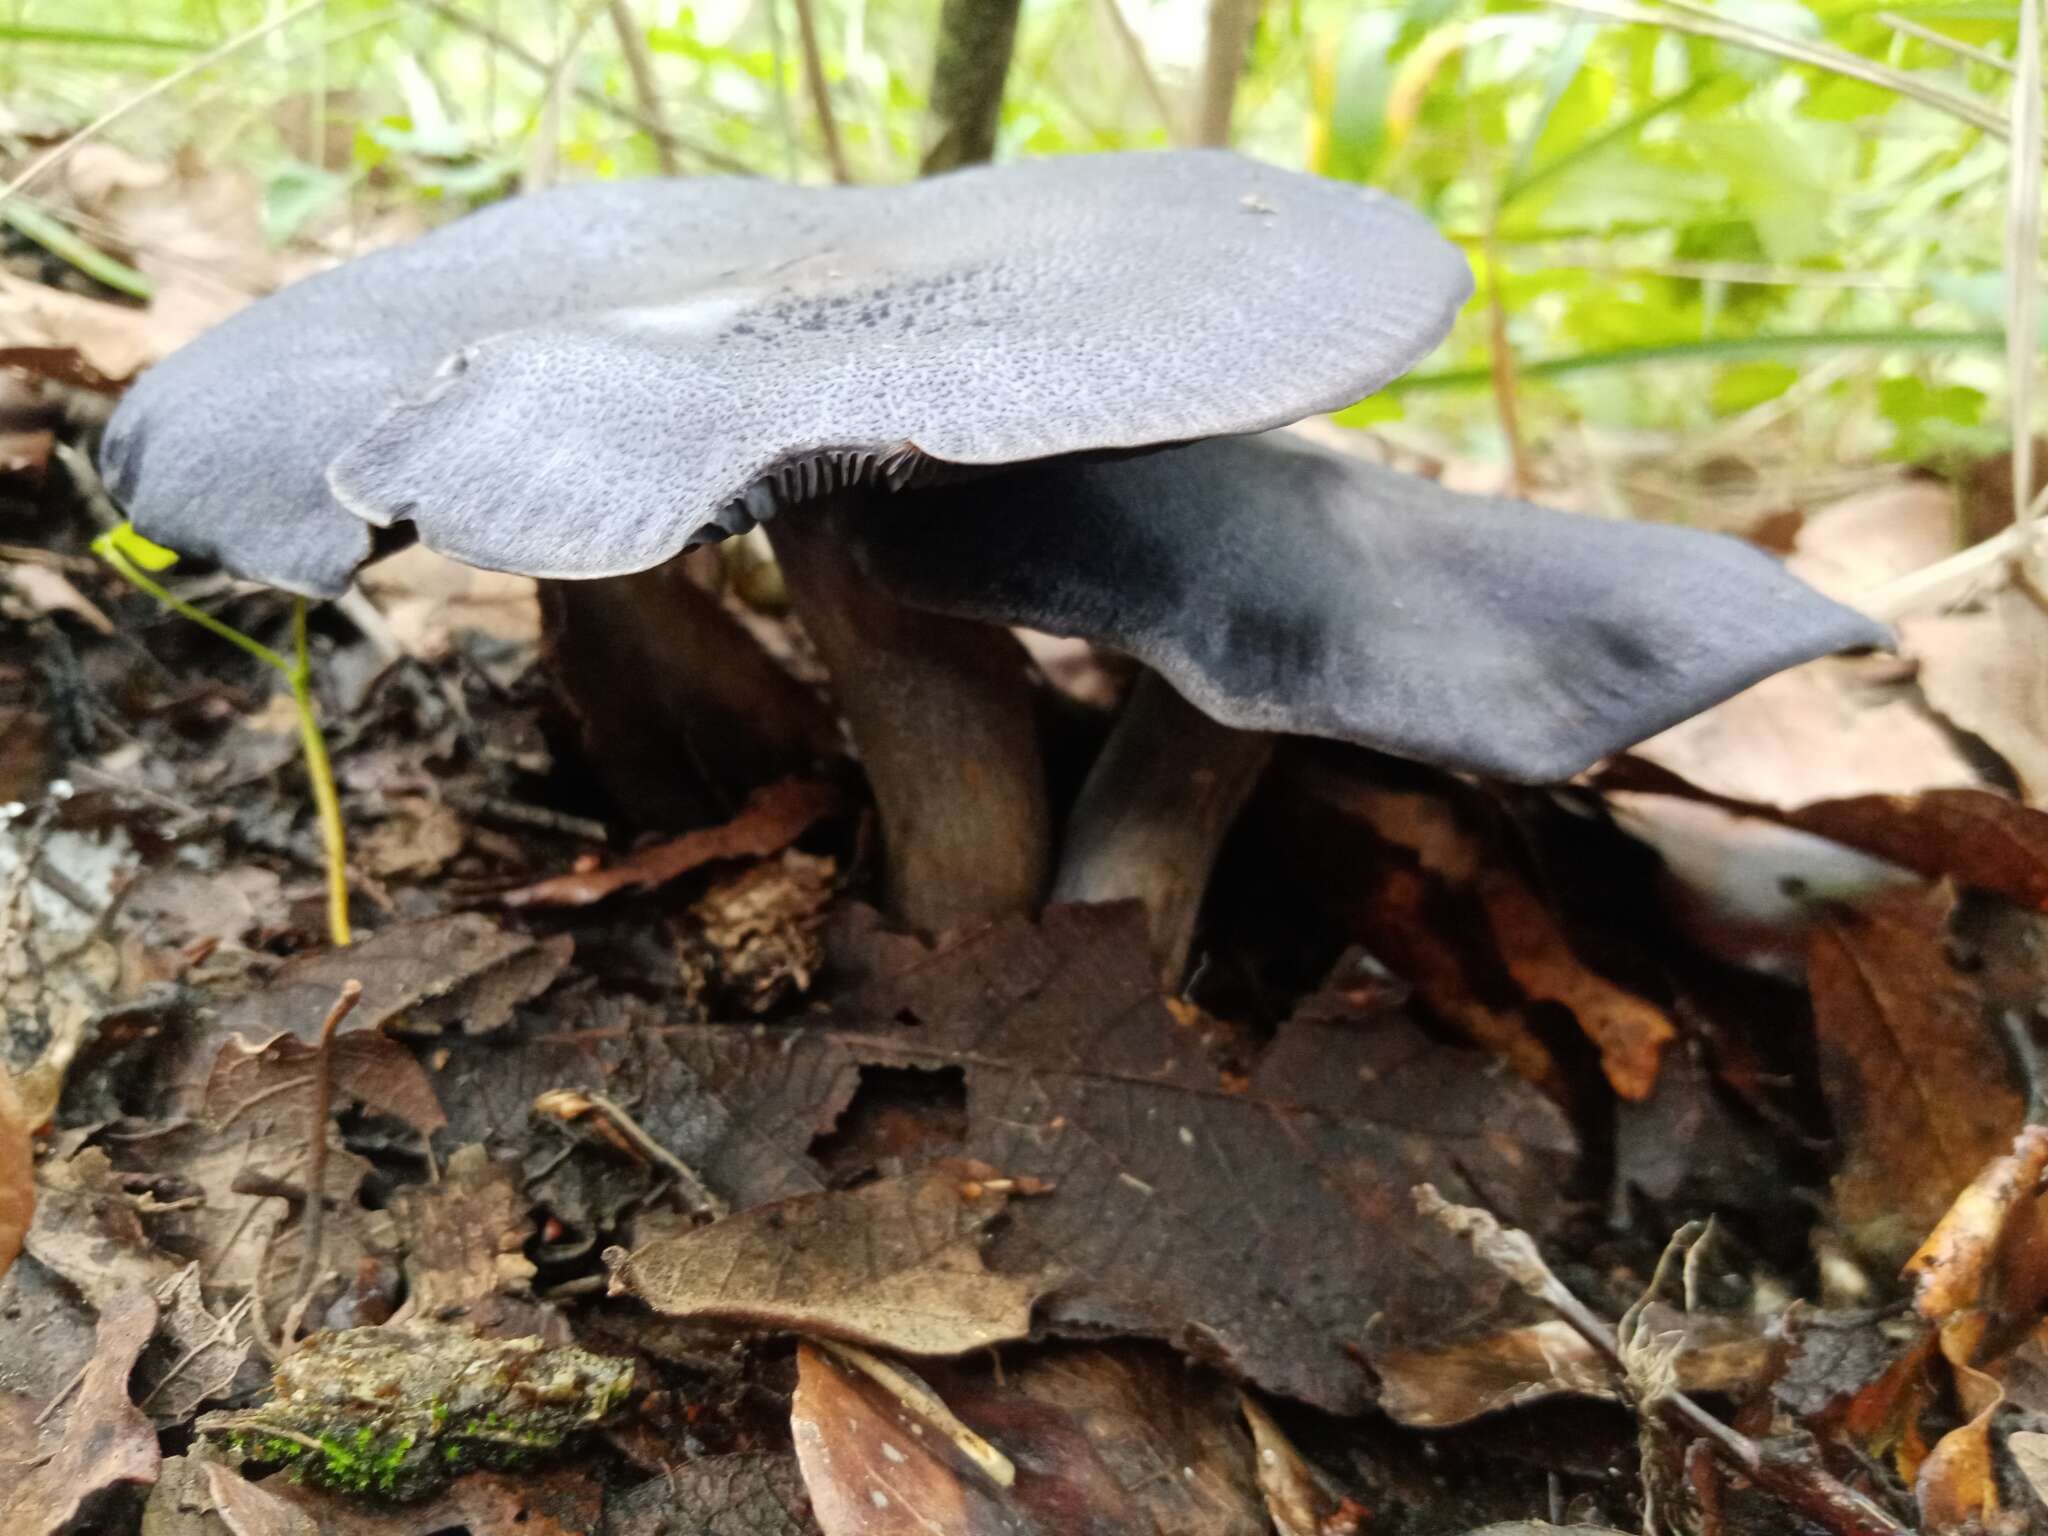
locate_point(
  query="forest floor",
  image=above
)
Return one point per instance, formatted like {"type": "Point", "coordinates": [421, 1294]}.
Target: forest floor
{"type": "Point", "coordinates": [652, 1184]}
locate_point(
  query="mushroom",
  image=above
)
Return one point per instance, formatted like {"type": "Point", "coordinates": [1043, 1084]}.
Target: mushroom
{"type": "Point", "coordinates": [1274, 586]}
{"type": "Point", "coordinates": [586, 384]}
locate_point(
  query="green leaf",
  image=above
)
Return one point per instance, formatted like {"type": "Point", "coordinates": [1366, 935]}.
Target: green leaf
{"type": "Point", "coordinates": [1743, 385]}
{"type": "Point", "coordinates": [135, 549]}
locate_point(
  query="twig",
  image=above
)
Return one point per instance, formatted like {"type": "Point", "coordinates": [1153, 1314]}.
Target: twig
{"type": "Point", "coordinates": [970, 66]}
{"type": "Point", "coordinates": [1806, 1487]}
{"type": "Point", "coordinates": [59, 153]}
{"type": "Point", "coordinates": [821, 98]}
{"type": "Point", "coordinates": [1231, 24]}
{"type": "Point", "coordinates": [2022, 255]}
{"type": "Point", "coordinates": [652, 127]}
{"type": "Point", "coordinates": [572, 1104]}
{"type": "Point", "coordinates": [925, 1403]}
{"type": "Point", "coordinates": [316, 1149]}
{"type": "Point", "coordinates": [640, 67]}
{"type": "Point", "coordinates": [1814, 55]}
{"type": "Point", "coordinates": [1134, 51]}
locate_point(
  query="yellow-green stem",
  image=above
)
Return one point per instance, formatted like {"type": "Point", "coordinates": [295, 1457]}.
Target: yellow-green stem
{"type": "Point", "coordinates": [298, 676]}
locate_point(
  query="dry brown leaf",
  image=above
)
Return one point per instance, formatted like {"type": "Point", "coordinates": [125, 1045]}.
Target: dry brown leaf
{"type": "Point", "coordinates": [462, 971]}
{"type": "Point", "coordinates": [1461, 1381]}
{"type": "Point", "coordinates": [89, 1229]}
{"type": "Point", "coordinates": [199, 1356]}
{"type": "Point", "coordinates": [111, 341]}
{"type": "Point", "coordinates": [1105, 1440]}
{"type": "Point", "coordinates": [2029, 1448]}
{"type": "Point", "coordinates": [895, 1265]}
{"type": "Point", "coordinates": [106, 1440]}
{"type": "Point", "coordinates": [756, 1493]}
{"type": "Point", "coordinates": [1851, 546]}
{"type": "Point", "coordinates": [1951, 1269]}
{"type": "Point", "coordinates": [1832, 729]}
{"type": "Point", "coordinates": [1630, 1031]}
{"type": "Point", "coordinates": [247, 1510]}
{"type": "Point", "coordinates": [1957, 1489]}
{"type": "Point", "coordinates": [561, 1502]}
{"type": "Point", "coordinates": [1298, 1497]}
{"type": "Point", "coordinates": [772, 819]}
{"type": "Point", "coordinates": [1914, 1072]}
{"type": "Point", "coordinates": [371, 1069]}
{"type": "Point", "coordinates": [428, 599]}
{"type": "Point", "coordinates": [1986, 671]}
{"type": "Point", "coordinates": [419, 837]}
{"type": "Point", "coordinates": [1185, 1203]}
{"type": "Point", "coordinates": [464, 1237]}
{"type": "Point", "coordinates": [17, 1172]}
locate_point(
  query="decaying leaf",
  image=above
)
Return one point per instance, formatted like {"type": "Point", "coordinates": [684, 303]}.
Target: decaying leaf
{"type": "Point", "coordinates": [458, 972]}
{"type": "Point", "coordinates": [770, 821]}
{"type": "Point", "coordinates": [1987, 671]}
{"type": "Point", "coordinates": [1105, 1440]}
{"type": "Point", "coordinates": [90, 1228]}
{"type": "Point", "coordinates": [1914, 1070]}
{"type": "Point", "coordinates": [1298, 1497]}
{"type": "Point", "coordinates": [17, 1173]}
{"type": "Point", "coordinates": [1999, 1211]}
{"type": "Point", "coordinates": [1460, 1381]}
{"type": "Point", "coordinates": [756, 1493]}
{"type": "Point", "coordinates": [1184, 1203]}
{"type": "Point", "coordinates": [559, 1502]}
{"type": "Point", "coordinates": [247, 1510]}
{"type": "Point", "coordinates": [371, 1069]}
{"type": "Point", "coordinates": [1957, 1489]}
{"type": "Point", "coordinates": [106, 1439]}
{"type": "Point", "coordinates": [464, 1237]}
{"type": "Point", "coordinates": [895, 1265]}
{"type": "Point", "coordinates": [197, 1355]}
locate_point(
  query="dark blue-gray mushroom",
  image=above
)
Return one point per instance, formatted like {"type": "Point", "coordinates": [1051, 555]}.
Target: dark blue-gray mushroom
{"type": "Point", "coordinates": [1282, 587]}
{"type": "Point", "coordinates": [584, 384]}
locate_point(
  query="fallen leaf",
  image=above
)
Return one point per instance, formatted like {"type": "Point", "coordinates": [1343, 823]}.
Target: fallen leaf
{"type": "Point", "coordinates": [562, 1502]}
{"type": "Point", "coordinates": [373, 1070]}
{"type": "Point", "coordinates": [1914, 1071]}
{"type": "Point", "coordinates": [770, 821]}
{"type": "Point", "coordinates": [1462, 1380]}
{"type": "Point", "coordinates": [112, 342]}
{"type": "Point", "coordinates": [2029, 1449]}
{"type": "Point", "coordinates": [1257, 1223]}
{"type": "Point", "coordinates": [1123, 1441]}
{"type": "Point", "coordinates": [247, 1510]}
{"type": "Point", "coordinates": [199, 1354]}
{"type": "Point", "coordinates": [1298, 1497]}
{"type": "Point", "coordinates": [1953, 1268]}
{"type": "Point", "coordinates": [1852, 546]}
{"type": "Point", "coordinates": [89, 1229]}
{"type": "Point", "coordinates": [462, 971]}
{"type": "Point", "coordinates": [893, 1265]}
{"type": "Point", "coordinates": [106, 1439]}
{"type": "Point", "coordinates": [17, 1172]}
{"type": "Point", "coordinates": [754, 1493]}
{"type": "Point", "coordinates": [428, 599]}
{"type": "Point", "coordinates": [1957, 1489]}
{"type": "Point", "coordinates": [1986, 670]}
{"type": "Point", "coordinates": [1829, 730]}
{"type": "Point", "coordinates": [46, 1334]}
{"type": "Point", "coordinates": [464, 1238]}
{"type": "Point", "coordinates": [418, 837]}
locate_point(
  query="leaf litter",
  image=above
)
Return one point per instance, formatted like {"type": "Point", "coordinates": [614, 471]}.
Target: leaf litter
{"type": "Point", "coordinates": [667, 1096]}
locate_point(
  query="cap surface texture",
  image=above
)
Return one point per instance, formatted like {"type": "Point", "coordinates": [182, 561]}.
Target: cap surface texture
{"type": "Point", "coordinates": [1284, 587]}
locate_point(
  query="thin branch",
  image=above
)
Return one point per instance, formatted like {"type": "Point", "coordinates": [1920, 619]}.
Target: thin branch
{"type": "Point", "coordinates": [1940, 40]}
{"type": "Point", "coordinates": [316, 1156]}
{"type": "Point", "coordinates": [1134, 53]}
{"type": "Point", "coordinates": [1814, 55]}
{"type": "Point", "coordinates": [55, 156]}
{"type": "Point", "coordinates": [970, 66]}
{"type": "Point", "coordinates": [640, 66]}
{"type": "Point", "coordinates": [821, 97]}
{"type": "Point", "coordinates": [2022, 256]}
{"type": "Point", "coordinates": [1231, 24]}
{"type": "Point", "coordinates": [1802, 1484]}
{"type": "Point", "coordinates": [652, 127]}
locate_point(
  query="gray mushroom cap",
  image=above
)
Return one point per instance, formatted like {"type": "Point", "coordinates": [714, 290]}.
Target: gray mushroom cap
{"type": "Point", "coordinates": [585, 383]}
{"type": "Point", "coordinates": [1283, 587]}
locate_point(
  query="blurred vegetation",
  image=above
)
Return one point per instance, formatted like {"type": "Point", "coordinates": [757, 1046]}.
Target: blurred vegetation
{"type": "Point", "coordinates": [1689, 245]}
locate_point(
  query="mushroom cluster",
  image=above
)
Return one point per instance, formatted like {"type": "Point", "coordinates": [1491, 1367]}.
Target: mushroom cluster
{"type": "Point", "coordinates": [1039, 394]}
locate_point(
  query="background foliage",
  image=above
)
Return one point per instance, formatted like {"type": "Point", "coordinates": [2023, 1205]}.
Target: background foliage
{"type": "Point", "coordinates": [1694, 252]}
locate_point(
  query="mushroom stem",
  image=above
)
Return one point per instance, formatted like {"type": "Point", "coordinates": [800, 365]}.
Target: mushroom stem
{"type": "Point", "coordinates": [1155, 810]}
{"type": "Point", "coordinates": [680, 712]}
{"type": "Point", "coordinates": [942, 712]}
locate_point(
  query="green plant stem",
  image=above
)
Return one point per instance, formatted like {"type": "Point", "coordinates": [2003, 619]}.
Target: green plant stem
{"type": "Point", "coordinates": [298, 675]}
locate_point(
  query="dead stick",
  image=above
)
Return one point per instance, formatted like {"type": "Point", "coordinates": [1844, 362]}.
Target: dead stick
{"type": "Point", "coordinates": [1811, 1490]}
{"type": "Point", "coordinates": [316, 1154]}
